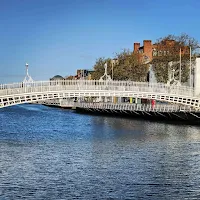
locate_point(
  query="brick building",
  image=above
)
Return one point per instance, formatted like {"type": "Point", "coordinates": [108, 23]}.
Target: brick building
{"type": "Point", "coordinates": [149, 51]}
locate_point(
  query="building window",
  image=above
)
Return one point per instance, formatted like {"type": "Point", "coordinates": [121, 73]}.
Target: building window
{"type": "Point", "coordinates": [160, 53]}
{"type": "Point", "coordinates": [155, 53]}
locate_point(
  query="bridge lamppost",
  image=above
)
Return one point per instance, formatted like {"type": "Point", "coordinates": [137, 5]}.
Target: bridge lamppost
{"type": "Point", "coordinates": [114, 61]}
{"type": "Point", "coordinates": [106, 76]}
{"type": "Point", "coordinates": [27, 78]}
{"type": "Point", "coordinates": [190, 66]}
{"type": "Point", "coordinates": [180, 68]}
{"type": "Point", "coordinates": [173, 70]}
{"type": "Point", "coordinates": [112, 70]}
{"type": "Point", "coordinates": [190, 75]}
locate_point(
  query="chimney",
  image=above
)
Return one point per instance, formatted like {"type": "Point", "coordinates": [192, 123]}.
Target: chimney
{"type": "Point", "coordinates": [148, 49]}
{"type": "Point", "coordinates": [147, 46]}
{"type": "Point", "coordinates": [136, 47]}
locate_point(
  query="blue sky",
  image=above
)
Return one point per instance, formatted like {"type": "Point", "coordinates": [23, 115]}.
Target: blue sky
{"type": "Point", "coordinates": [60, 36]}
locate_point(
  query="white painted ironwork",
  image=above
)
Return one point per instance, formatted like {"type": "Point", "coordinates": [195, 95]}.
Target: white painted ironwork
{"type": "Point", "coordinates": [136, 107]}
{"type": "Point", "coordinates": [57, 102]}
{"type": "Point", "coordinates": [106, 76]}
{"type": "Point", "coordinates": [171, 77]}
{"type": "Point", "coordinates": [18, 93]}
{"type": "Point", "coordinates": [27, 78]}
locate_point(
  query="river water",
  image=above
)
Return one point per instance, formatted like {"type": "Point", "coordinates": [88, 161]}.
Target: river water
{"type": "Point", "coordinates": [50, 153]}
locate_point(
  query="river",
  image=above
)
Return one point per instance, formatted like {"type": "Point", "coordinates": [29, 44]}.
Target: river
{"type": "Point", "coordinates": [50, 153]}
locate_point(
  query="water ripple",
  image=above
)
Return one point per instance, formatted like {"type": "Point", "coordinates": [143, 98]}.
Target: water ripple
{"type": "Point", "coordinates": [49, 153]}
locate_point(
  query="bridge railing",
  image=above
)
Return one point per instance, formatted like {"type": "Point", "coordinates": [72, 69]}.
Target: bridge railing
{"type": "Point", "coordinates": [95, 85]}
{"type": "Point", "coordinates": [135, 107]}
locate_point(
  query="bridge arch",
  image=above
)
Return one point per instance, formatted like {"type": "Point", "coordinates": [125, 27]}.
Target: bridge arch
{"type": "Point", "coordinates": [17, 93]}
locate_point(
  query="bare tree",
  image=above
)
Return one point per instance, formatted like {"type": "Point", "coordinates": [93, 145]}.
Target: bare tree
{"type": "Point", "coordinates": [167, 50]}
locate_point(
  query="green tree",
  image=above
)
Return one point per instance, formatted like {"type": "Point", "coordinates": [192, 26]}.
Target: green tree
{"type": "Point", "coordinates": [126, 67]}
{"type": "Point", "coordinates": [129, 67]}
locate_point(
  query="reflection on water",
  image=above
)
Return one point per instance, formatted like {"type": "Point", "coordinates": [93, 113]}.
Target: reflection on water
{"type": "Point", "coordinates": [49, 153]}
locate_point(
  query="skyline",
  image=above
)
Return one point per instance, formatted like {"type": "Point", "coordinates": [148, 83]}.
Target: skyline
{"type": "Point", "coordinates": [59, 37]}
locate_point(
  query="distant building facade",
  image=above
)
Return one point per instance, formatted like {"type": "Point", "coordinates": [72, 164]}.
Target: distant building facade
{"type": "Point", "coordinates": [84, 74]}
{"type": "Point", "coordinates": [149, 51]}
{"type": "Point", "coordinates": [80, 74]}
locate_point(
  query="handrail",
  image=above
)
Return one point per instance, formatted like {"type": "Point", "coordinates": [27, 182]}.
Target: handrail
{"type": "Point", "coordinates": [97, 85]}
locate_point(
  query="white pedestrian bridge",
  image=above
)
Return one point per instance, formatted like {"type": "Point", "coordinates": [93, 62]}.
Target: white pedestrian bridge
{"type": "Point", "coordinates": [19, 93]}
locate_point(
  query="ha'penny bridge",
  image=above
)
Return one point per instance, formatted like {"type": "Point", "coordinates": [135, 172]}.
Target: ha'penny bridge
{"type": "Point", "coordinates": [19, 93]}
{"type": "Point", "coordinates": [178, 98]}
{"type": "Point", "coordinates": [172, 98]}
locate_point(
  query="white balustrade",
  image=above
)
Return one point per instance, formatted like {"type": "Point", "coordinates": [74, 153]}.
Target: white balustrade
{"type": "Point", "coordinates": [40, 86]}
{"type": "Point", "coordinates": [96, 88]}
